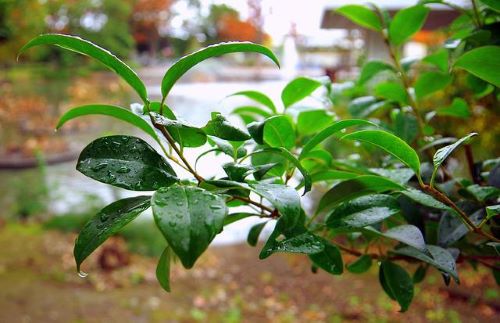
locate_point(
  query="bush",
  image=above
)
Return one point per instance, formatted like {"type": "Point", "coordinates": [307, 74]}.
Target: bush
{"type": "Point", "coordinates": [400, 201]}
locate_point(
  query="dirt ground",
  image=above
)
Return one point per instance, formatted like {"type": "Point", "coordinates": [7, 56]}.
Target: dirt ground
{"type": "Point", "coordinates": [38, 283]}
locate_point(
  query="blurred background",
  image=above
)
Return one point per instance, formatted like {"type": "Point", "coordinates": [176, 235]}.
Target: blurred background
{"type": "Point", "coordinates": [44, 201]}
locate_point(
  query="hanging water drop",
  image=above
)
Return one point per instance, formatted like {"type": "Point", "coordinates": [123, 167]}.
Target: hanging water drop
{"type": "Point", "coordinates": [82, 274]}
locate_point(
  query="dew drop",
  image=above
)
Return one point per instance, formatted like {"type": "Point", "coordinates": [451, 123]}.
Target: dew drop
{"type": "Point", "coordinates": [99, 166]}
{"type": "Point", "coordinates": [123, 170]}
{"type": "Point", "coordinates": [82, 274]}
{"type": "Point", "coordinates": [215, 207]}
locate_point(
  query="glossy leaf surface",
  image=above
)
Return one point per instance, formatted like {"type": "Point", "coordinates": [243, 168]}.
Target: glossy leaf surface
{"type": "Point", "coordinates": [126, 162]}
{"type": "Point", "coordinates": [187, 62]}
{"type": "Point", "coordinates": [87, 48]}
{"type": "Point", "coordinates": [189, 218]}
{"type": "Point", "coordinates": [107, 222]}
{"type": "Point", "coordinates": [391, 144]}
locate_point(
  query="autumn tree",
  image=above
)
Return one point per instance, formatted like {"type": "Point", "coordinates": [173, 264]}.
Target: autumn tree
{"type": "Point", "coordinates": [147, 19]}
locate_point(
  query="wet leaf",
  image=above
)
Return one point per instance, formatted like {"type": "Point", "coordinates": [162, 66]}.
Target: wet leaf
{"type": "Point", "coordinates": [221, 128]}
{"type": "Point", "coordinates": [82, 46]}
{"type": "Point", "coordinates": [126, 162]}
{"type": "Point", "coordinates": [362, 211]}
{"type": "Point", "coordinates": [183, 133]}
{"type": "Point", "coordinates": [396, 283]}
{"type": "Point", "coordinates": [108, 110]}
{"type": "Point", "coordinates": [253, 234]}
{"type": "Point", "coordinates": [438, 257]}
{"type": "Point", "coordinates": [391, 144]}
{"type": "Point", "coordinates": [189, 218]}
{"type": "Point", "coordinates": [360, 265]}
{"type": "Point", "coordinates": [284, 198]}
{"type": "Point", "coordinates": [163, 270]}
{"type": "Point", "coordinates": [352, 188]}
{"type": "Point", "coordinates": [330, 259]}
{"type": "Point", "coordinates": [330, 131]}
{"type": "Point", "coordinates": [184, 64]}
{"type": "Point", "coordinates": [107, 222]}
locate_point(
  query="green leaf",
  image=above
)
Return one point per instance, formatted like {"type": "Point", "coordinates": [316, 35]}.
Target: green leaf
{"type": "Point", "coordinates": [363, 106]}
{"type": "Point", "coordinates": [361, 15]}
{"type": "Point", "coordinates": [329, 175]}
{"type": "Point", "coordinates": [483, 193]}
{"type": "Point", "coordinates": [330, 259]}
{"type": "Point", "coordinates": [256, 130]}
{"type": "Point", "coordinates": [251, 110]}
{"type": "Point", "coordinates": [285, 199]}
{"type": "Point", "coordinates": [458, 108]}
{"type": "Point", "coordinates": [431, 82]}
{"type": "Point", "coordinates": [492, 211]}
{"type": "Point", "coordinates": [107, 222]}
{"type": "Point", "coordinates": [187, 62]}
{"type": "Point", "coordinates": [396, 283]}
{"type": "Point", "coordinates": [258, 97]}
{"type": "Point", "coordinates": [253, 234]}
{"type": "Point", "coordinates": [362, 211]}
{"type": "Point", "coordinates": [312, 121]}
{"type": "Point", "coordinates": [439, 258]}
{"type": "Point", "coordinates": [405, 126]}
{"type": "Point", "coordinates": [126, 162]}
{"type": "Point", "coordinates": [451, 227]}
{"type": "Point", "coordinates": [424, 199]}
{"type": "Point", "coordinates": [398, 175]}
{"type": "Point", "coordinates": [360, 265]}
{"type": "Point", "coordinates": [391, 144]}
{"type": "Point", "coordinates": [279, 132]}
{"type": "Point", "coordinates": [356, 187]}
{"type": "Point", "coordinates": [443, 153]}
{"type": "Point", "coordinates": [287, 155]}
{"type": "Point", "coordinates": [482, 62]}
{"type": "Point", "coordinates": [221, 128]}
{"type": "Point", "coordinates": [438, 59]}
{"type": "Point", "coordinates": [305, 243]}
{"type": "Point", "coordinates": [84, 47]}
{"type": "Point", "coordinates": [163, 270]}
{"type": "Point", "coordinates": [108, 110]}
{"type": "Point", "coordinates": [419, 274]}
{"type": "Point", "coordinates": [371, 69]}
{"type": "Point", "coordinates": [392, 91]}
{"type": "Point", "coordinates": [297, 90]}
{"type": "Point", "coordinates": [189, 218]}
{"type": "Point", "coordinates": [493, 4]}
{"type": "Point", "coordinates": [408, 234]}
{"type": "Point", "coordinates": [330, 131]}
{"type": "Point", "coordinates": [185, 134]}
{"type": "Point", "coordinates": [406, 23]}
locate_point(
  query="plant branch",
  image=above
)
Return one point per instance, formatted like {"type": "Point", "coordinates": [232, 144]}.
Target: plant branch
{"type": "Point", "coordinates": [176, 149]}
{"type": "Point", "coordinates": [467, 221]}
{"type": "Point", "coordinates": [273, 213]}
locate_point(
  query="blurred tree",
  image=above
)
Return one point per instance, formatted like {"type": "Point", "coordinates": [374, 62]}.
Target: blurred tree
{"type": "Point", "coordinates": [105, 22]}
{"type": "Point", "coordinates": [20, 20]}
{"type": "Point", "coordinates": [147, 19]}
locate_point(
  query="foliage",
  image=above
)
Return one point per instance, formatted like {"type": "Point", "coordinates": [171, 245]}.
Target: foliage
{"type": "Point", "coordinates": [401, 204]}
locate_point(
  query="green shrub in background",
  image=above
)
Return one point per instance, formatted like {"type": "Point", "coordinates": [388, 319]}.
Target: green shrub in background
{"type": "Point", "coordinates": [404, 202]}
